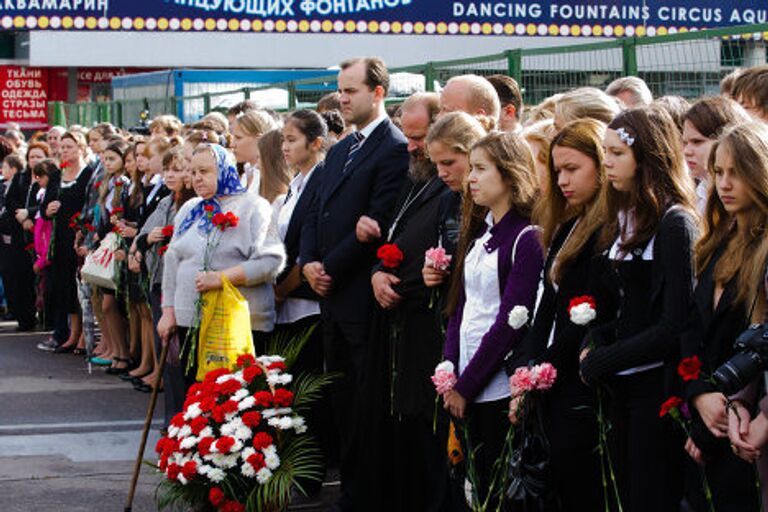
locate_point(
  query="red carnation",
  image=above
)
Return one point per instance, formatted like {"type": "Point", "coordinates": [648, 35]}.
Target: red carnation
{"type": "Point", "coordinates": [90, 227]}
{"type": "Point", "coordinates": [216, 496]}
{"type": "Point", "coordinates": [208, 207]}
{"type": "Point", "coordinates": [204, 446]}
{"type": "Point", "coordinates": [173, 471]}
{"type": "Point", "coordinates": [245, 360]}
{"type": "Point", "coordinates": [75, 216]}
{"type": "Point", "coordinates": [670, 406]}
{"type": "Point", "coordinates": [198, 424]}
{"type": "Point", "coordinates": [277, 365]}
{"type": "Point", "coordinates": [168, 231]}
{"type": "Point", "coordinates": [160, 444]}
{"type": "Point", "coordinates": [283, 397]}
{"type": "Point", "coordinates": [63, 165]}
{"type": "Point", "coordinates": [256, 460]}
{"type": "Point", "coordinates": [261, 440]}
{"type": "Point", "coordinates": [390, 254]}
{"type": "Point", "coordinates": [212, 375]}
{"type": "Point", "coordinates": [251, 418]}
{"type": "Point", "coordinates": [232, 506]}
{"type": "Point", "coordinates": [263, 398]}
{"type": "Point", "coordinates": [218, 219]}
{"type": "Point", "coordinates": [117, 210]}
{"type": "Point", "coordinates": [232, 219]}
{"type": "Point", "coordinates": [689, 368]}
{"type": "Point", "coordinates": [162, 250]}
{"type": "Point", "coordinates": [178, 420]}
{"type": "Point", "coordinates": [224, 444]}
{"type": "Point", "coordinates": [584, 299]}
{"type": "Point", "coordinates": [251, 373]}
{"type": "Point", "coordinates": [97, 184]}
{"type": "Point", "coordinates": [229, 387]}
{"type": "Point", "coordinates": [229, 406]}
{"type": "Point", "coordinates": [189, 470]}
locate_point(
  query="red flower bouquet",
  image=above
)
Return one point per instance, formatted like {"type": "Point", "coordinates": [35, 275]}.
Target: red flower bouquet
{"type": "Point", "coordinates": [390, 255]}
{"type": "Point", "coordinates": [237, 441]}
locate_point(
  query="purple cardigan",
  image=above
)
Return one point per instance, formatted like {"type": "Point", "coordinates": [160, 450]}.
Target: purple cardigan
{"type": "Point", "coordinates": [517, 285]}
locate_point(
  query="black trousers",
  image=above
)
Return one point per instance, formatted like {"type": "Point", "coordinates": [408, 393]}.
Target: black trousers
{"type": "Point", "coordinates": [19, 284]}
{"type": "Point", "coordinates": [647, 451]}
{"type": "Point", "coordinates": [173, 377]}
{"type": "Point", "coordinates": [344, 352]}
{"type": "Point", "coordinates": [487, 424]}
{"type": "Point", "coordinates": [731, 480]}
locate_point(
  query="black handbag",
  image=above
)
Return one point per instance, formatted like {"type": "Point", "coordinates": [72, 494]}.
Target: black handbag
{"type": "Point", "coordinates": [529, 486]}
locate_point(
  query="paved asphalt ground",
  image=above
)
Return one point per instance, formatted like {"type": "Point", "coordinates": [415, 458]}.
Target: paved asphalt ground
{"type": "Point", "coordinates": [69, 439]}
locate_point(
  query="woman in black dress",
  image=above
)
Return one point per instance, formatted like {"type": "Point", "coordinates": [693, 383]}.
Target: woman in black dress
{"type": "Point", "coordinates": [59, 204]}
{"type": "Point", "coordinates": [570, 216]}
{"type": "Point", "coordinates": [650, 226]}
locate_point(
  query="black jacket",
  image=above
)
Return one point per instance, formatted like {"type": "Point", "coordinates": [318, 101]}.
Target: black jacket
{"type": "Point", "coordinates": [369, 187]}
{"type": "Point", "coordinates": [670, 303]}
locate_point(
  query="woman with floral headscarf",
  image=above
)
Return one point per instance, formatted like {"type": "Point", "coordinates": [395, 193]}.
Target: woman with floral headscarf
{"type": "Point", "coordinates": [249, 254]}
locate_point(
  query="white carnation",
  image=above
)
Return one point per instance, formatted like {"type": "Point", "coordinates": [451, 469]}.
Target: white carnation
{"type": "Point", "coordinates": [247, 452]}
{"type": "Point", "coordinates": [193, 411]}
{"type": "Point", "coordinates": [229, 428]}
{"type": "Point", "coordinates": [583, 314]}
{"type": "Point", "coordinates": [206, 432]}
{"type": "Point", "coordinates": [185, 431]}
{"type": "Point", "coordinates": [225, 378]}
{"type": "Point", "coordinates": [247, 470]}
{"type": "Point", "coordinates": [188, 443]}
{"type": "Point", "coordinates": [243, 433]}
{"type": "Point", "coordinates": [240, 394]}
{"type": "Point", "coordinates": [518, 317]}
{"type": "Point", "coordinates": [272, 460]}
{"type": "Point", "coordinates": [181, 479]}
{"type": "Point", "coordinates": [246, 403]}
{"type": "Point", "coordinates": [173, 431]}
{"type": "Point", "coordinates": [203, 469]}
{"type": "Point", "coordinates": [263, 475]}
{"type": "Point", "coordinates": [299, 425]}
{"type": "Point", "coordinates": [445, 366]}
{"type": "Point", "coordinates": [216, 475]}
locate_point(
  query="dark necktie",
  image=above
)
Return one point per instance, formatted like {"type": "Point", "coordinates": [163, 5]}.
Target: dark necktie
{"type": "Point", "coordinates": [353, 149]}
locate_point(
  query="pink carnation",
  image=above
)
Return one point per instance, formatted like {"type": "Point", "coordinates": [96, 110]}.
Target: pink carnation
{"type": "Point", "coordinates": [546, 374]}
{"type": "Point", "coordinates": [444, 378]}
{"type": "Point", "coordinates": [435, 257]}
{"type": "Point", "coordinates": [520, 382]}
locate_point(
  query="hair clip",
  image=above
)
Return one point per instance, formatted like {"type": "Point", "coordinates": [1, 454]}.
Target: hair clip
{"type": "Point", "coordinates": [625, 137]}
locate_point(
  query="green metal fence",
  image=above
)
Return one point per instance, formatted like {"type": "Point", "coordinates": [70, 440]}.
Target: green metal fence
{"type": "Point", "coordinates": [689, 64]}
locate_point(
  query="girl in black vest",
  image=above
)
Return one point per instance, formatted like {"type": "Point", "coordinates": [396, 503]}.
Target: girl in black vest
{"type": "Point", "coordinates": [648, 235]}
{"type": "Point", "coordinates": [730, 294]}
{"type": "Point", "coordinates": [570, 215]}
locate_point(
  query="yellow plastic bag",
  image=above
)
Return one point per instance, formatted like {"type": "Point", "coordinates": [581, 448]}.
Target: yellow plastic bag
{"type": "Point", "coordinates": [225, 329]}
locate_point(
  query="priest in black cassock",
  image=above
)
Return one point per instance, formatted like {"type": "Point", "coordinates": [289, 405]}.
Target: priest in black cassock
{"type": "Point", "coordinates": [403, 432]}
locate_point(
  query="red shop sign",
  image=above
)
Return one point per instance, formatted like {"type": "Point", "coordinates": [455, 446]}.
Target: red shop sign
{"type": "Point", "coordinates": [24, 96]}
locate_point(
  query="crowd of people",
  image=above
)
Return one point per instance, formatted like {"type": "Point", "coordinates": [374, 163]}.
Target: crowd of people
{"type": "Point", "coordinates": [654, 210]}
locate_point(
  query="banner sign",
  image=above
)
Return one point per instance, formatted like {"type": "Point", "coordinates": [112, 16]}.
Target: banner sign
{"type": "Point", "coordinates": [24, 96]}
{"type": "Point", "coordinates": [470, 17]}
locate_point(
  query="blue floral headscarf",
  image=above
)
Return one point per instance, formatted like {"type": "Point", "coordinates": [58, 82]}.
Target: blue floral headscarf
{"type": "Point", "coordinates": [228, 184]}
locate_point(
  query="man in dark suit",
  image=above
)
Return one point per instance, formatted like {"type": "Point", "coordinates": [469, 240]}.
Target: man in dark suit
{"type": "Point", "coordinates": [362, 176]}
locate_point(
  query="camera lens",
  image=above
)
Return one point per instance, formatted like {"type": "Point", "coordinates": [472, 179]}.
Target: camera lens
{"type": "Point", "coordinates": [737, 372]}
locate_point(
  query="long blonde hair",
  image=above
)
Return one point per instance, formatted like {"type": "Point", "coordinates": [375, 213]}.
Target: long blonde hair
{"type": "Point", "coordinates": [746, 252]}
{"type": "Point", "coordinates": [552, 210]}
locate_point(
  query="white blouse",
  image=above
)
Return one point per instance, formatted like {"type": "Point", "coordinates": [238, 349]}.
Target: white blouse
{"type": "Point", "coordinates": [293, 309]}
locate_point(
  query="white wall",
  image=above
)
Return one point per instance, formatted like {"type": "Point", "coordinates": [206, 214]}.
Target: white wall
{"type": "Point", "coordinates": [178, 49]}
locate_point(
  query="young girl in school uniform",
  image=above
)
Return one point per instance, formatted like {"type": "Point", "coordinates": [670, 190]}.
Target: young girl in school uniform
{"type": "Point", "coordinates": [499, 262]}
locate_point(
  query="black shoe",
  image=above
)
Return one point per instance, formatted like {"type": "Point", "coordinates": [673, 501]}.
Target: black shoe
{"type": "Point", "coordinates": [63, 349]}
{"type": "Point", "coordinates": [144, 388]}
{"type": "Point", "coordinates": [25, 328]}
